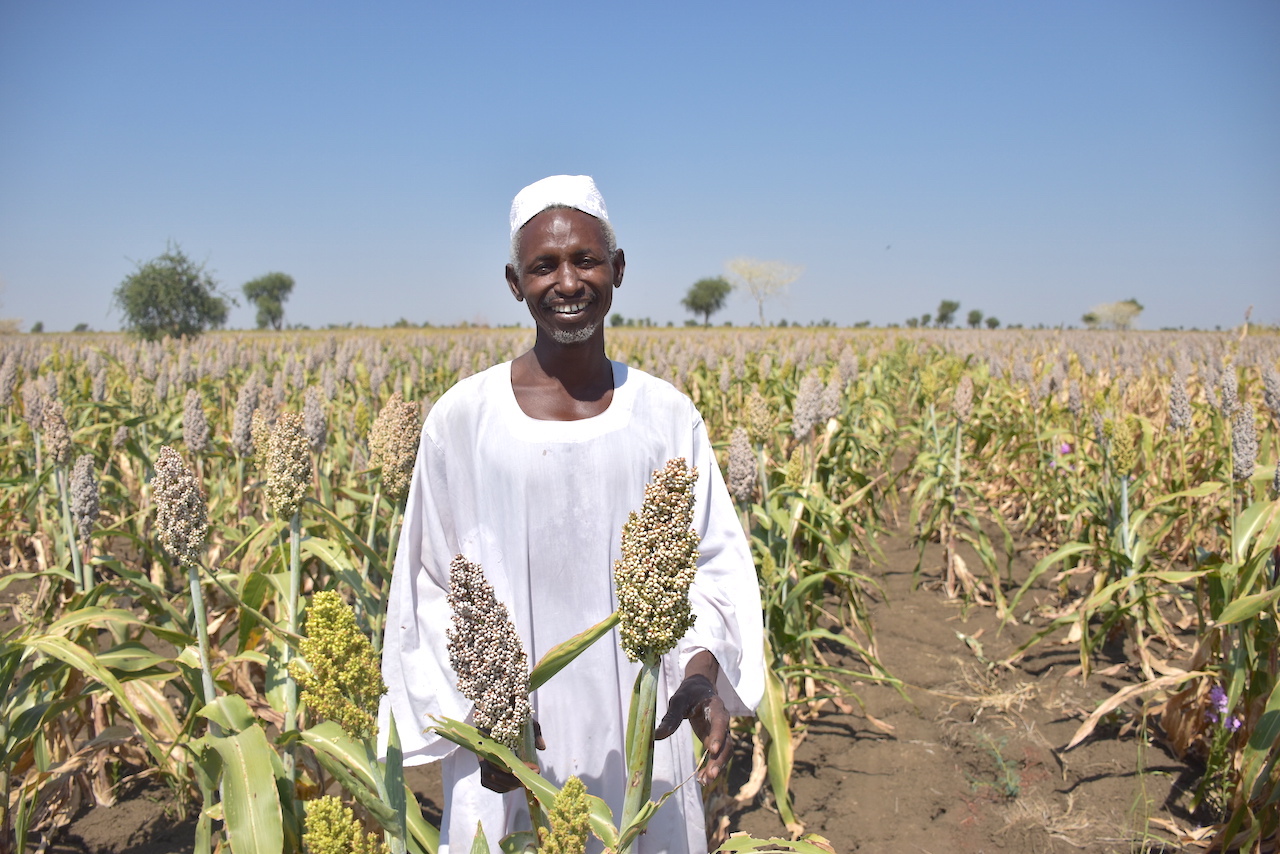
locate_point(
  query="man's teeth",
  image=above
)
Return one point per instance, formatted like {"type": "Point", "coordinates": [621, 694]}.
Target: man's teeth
{"type": "Point", "coordinates": [569, 309]}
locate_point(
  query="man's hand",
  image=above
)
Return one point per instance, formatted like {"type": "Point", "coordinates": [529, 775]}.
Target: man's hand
{"type": "Point", "coordinates": [499, 779]}
{"type": "Point", "coordinates": [696, 700]}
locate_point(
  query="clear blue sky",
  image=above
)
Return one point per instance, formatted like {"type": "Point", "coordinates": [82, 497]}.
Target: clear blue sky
{"type": "Point", "coordinates": [1026, 159]}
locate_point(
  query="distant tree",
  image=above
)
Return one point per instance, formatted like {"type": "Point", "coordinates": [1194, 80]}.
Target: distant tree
{"type": "Point", "coordinates": [947, 312]}
{"type": "Point", "coordinates": [993, 323]}
{"type": "Point", "coordinates": [1116, 315]}
{"type": "Point", "coordinates": [616, 319]}
{"type": "Point", "coordinates": [170, 295]}
{"type": "Point", "coordinates": [913, 322]}
{"type": "Point", "coordinates": [81, 327]}
{"type": "Point", "coordinates": [763, 279]}
{"type": "Point", "coordinates": [975, 318]}
{"type": "Point", "coordinates": [925, 318]}
{"type": "Point", "coordinates": [38, 326]}
{"type": "Point", "coordinates": [706, 297]}
{"type": "Point", "coordinates": [269, 293]}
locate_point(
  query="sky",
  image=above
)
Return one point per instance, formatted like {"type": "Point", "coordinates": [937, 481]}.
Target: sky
{"type": "Point", "coordinates": [1029, 160]}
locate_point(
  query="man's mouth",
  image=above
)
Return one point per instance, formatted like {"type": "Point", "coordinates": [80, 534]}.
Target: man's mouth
{"type": "Point", "coordinates": [569, 308]}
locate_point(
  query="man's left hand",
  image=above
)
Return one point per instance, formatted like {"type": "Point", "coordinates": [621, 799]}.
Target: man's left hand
{"type": "Point", "coordinates": [697, 701]}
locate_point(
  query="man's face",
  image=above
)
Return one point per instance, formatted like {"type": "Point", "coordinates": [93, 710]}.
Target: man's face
{"type": "Point", "coordinates": [565, 274]}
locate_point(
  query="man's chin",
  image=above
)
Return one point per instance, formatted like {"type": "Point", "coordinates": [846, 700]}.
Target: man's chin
{"type": "Point", "coordinates": [574, 336]}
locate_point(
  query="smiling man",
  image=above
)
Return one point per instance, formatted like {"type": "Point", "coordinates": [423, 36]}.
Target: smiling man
{"type": "Point", "coordinates": [530, 469]}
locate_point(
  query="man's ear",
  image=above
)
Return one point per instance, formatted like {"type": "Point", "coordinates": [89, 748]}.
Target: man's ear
{"type": "Point", "coordinates": [619, 267]}
{"type": "Point", "coordinates": [513, 282]}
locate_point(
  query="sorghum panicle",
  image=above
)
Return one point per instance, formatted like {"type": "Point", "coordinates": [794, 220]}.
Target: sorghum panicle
{"type": "Point", "coordinates": [8, 379]}
{"type": "Point", "coordinates": [486, 653]}
{"type": "Point", "coordinates": [832, 398]}
{"type": "Point", "coordinates": [119, 437]}
{"type": "Point", "coordinates": [84, 496]}
{"type": "Point", "coordinates": [1075, 403]}
{"type": "Point", "coordinates": [195, 426]}
{"type": "Point", "coordinates": [393, 444]}
{"type": "Point", "coordinates": [1179, 405]}
{"type": "Point", "coordinates": [1228, 389]}
{"type": "Point", "coordinates": [182, 517]}
{"type": "Point", "coordinates": [1271, 390]}
{"type": "Point", "coordinates": [332, 828]}
{"type": "Point", "coordinates": [260, 431]}
{"type": "Point", "coordinates": [804, 415]}
{"type": "Point", "coordinates": [1244, 443]}
{"type": "Point", "coordinates": [242, 421]}
{"type": "Point", "coordinates": [962, 402]}
{"type": "Point", "coordinates": [760, 418]}
{"type": "Point", "coordinates": [570, 820]}
{"type": "Point", "coordinates": [288, 465]}
{"type": "Point", "coordinates": [659, 560]}
{"type": "Point", "coordinates": [742, 466]}
{"type": "Point", "coordinates": [314, 421]}
{"type": "Point", "coordinates": [33, 405]}
{"type": "Point", "coordinates": [57, 436]}
{"type": "Point", "coordinates": [341, 678]}
{"type": "Point", "coordinates": [1124, 437]}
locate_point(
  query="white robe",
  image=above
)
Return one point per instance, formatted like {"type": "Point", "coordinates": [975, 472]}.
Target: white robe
{"type": "Point", "coordinates": [540, 506]}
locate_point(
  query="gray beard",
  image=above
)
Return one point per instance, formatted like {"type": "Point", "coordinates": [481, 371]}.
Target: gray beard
{"type": "Point", "coordinates": [563, 337]}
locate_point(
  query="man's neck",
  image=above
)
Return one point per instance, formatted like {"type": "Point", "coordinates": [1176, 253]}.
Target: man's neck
{"type": "Point", "coordinates": [563, 382]}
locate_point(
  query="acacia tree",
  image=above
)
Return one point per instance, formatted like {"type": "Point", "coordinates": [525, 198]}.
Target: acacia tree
{"type": "Point", "coordinates": [993, 322]}
{"type": "Point", "coordinates": [1117, 315]}
{"type": "Point", "coordinates": [268, 293]}
{"type": "Point", "coordinates": [975, 318]}
{"type": "Point", "coordinates": [763, 279]}
{"type": "Point", "coordinates": [947, 312]}
{"type": "Point", "coordinates": [170, 295]}
{"type": "Point", "coordinates": [706, 297]}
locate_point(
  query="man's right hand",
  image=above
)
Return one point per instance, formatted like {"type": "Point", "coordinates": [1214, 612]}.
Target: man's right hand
{"type": "Point", "coordinates": [497, 778]}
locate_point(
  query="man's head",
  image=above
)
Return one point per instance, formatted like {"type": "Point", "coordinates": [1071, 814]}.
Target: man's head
{"type": "Point", "coordinates": [565, 262]}
{"type": "Point", "coordinates": [559, 191]}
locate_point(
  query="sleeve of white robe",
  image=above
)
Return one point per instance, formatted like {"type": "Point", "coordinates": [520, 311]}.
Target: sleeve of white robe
{"type": "Point", "coordinates": [419, 681]}
{"type": "Point", "coordinates": [725, 595]}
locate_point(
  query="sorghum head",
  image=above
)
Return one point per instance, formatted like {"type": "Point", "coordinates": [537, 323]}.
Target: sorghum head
{"type": "Point", "coordinates": [332, 828]}
{"type": "Point", "coordinates": [659, 560]}
{"type": "Point", "coordinates": [84, 496]}
{"type": "Point", "coordinates": [832, 398]}
{"type": "Point", "coordinates": [1228, 391]}
{"type": "Point", "coordinates": [57, 436]}
{"type": "Point", "coordinates": [486, 653]}
{"type": "Point", "coordinates": [805, 413]}
{"type": "Point", "coordinates": [962, 402]}
{"type": "Point", "coordinates": [119, 437]}
{"type": "Point", "coordinates": [288, 465]}
{"type": "Point", "coordinates": [33, 405]}
{"type": "Point", "coordinates": [760, 418]}
{"type": "Point", "coordinates": [1271, 390]}
{"type": "Point", "coordinates": [195, 426]}
{"type": "Point", "coordinates": [339, 673]}
{"type": "Point", "coordinates": [1124, 436]}
{"type": "Point", "coordinates": [742, 466]}
{"type": "Point", "coordinates": [1244, 443]}
{"type": "Point", "coordinates": [182, 517]}
{"type": "Point", "coordinates": [242, 421]}
{"type": "Point", "coordinates": [315, 424]}
{"type": "Point", "coordinates": [1179, 405]}
{"type": "Point", "coordinates": [570, 820]}
{"type": "Point", "coordinates": [8, 379]}
{"type": "Point", "coordinates": [393, 444]}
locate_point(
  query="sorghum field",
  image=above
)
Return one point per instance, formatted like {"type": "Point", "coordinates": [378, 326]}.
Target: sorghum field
{"type": "Point", "coordinates": [1020, 587]}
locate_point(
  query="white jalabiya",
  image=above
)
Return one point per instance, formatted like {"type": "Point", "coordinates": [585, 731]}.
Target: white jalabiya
{"type": "Point", "coordinates": [540, 506]}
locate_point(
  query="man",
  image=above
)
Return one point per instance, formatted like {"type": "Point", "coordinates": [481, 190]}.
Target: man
{"type": "Point", "coordinates": [530, 469]}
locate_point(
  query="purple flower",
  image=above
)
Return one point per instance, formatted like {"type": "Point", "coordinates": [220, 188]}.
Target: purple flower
{"type": "Point", "coordinates": [1064, 448]}
{"type": "Point", "coordinates": [1218, 711]}
{"type": "Point", "coordinates": [1235, 723]}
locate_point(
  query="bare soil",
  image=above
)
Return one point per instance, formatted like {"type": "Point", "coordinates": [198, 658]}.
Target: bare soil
{"type": "Point", "coordinates": [970, 760]}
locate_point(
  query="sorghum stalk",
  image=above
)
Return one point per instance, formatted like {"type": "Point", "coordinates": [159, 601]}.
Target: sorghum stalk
{"type": "Point", "coordinates": [288, 464]}
{"type": "Point", "coordinates": [182, 522]}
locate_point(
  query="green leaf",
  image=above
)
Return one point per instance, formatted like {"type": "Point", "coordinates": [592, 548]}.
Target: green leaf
{"type": "Point", "coordinates": [559, 656]}
{"type": "Point", "coordinates": [1247, 606]}
{"type": "Point", "coordinates": [250, 799]}
{"type": "Point", "coordinates": [231, 712]}
{"type": "Point", "coordinates": [772, 713]}
{"type": "Point", "coordinates": [1263, 741]}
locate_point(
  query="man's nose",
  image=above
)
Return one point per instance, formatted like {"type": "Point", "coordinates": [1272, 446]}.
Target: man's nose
{"type": "Point", "coordinates": [567, 280]}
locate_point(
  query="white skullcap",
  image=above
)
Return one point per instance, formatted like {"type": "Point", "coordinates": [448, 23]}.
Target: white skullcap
{"type": "Point", "coordinates": [575, 191]}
